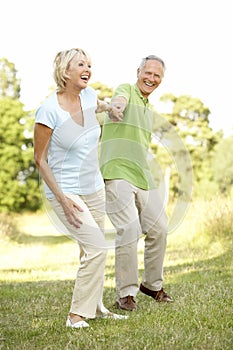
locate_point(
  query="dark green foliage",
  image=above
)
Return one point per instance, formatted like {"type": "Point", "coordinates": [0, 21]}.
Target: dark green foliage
{"type": "Point", "coordinates": [18, 176]}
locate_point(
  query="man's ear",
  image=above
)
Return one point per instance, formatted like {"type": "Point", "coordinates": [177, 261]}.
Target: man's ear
{"type": "Point", "coordinates": [138, 71]}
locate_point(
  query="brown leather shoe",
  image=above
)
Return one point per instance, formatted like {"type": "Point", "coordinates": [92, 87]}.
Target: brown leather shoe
{"type": "Point", "coordinates": [128, 303]}
{"type": "Point", "coordinates": [159, 295]}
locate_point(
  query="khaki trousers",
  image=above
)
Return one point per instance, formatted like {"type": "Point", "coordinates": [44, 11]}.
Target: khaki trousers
{"type": "Point", "coordinates": [88, 289]}
{"type": "Point", "coordinates": [134, 211]}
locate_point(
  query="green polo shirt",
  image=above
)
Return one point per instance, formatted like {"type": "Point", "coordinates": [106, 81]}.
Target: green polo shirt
{"type": "Point", "coordinates": [124, 145]}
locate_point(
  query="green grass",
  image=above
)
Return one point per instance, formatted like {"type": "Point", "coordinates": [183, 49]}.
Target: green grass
{"type": "Point", "coordinates": [38, 269]}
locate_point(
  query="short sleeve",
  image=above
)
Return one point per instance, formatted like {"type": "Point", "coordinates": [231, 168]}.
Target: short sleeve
{"type": "Point", "coordinates": [46, 117]}
{"type": "Point", "coordinates": [123, 90]}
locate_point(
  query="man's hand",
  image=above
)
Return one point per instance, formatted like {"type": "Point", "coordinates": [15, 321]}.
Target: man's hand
{"type": "Point", "coordinates": [117, 108]}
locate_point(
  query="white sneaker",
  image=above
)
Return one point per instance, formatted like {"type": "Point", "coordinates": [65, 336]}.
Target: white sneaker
{"type": "Point", "coordinates": [79, 324]}
{"type": "Point", "coordinates": [113, 316]}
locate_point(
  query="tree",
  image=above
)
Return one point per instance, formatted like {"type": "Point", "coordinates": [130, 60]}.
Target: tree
{"type": "Point", "coordinates": [18, 177]}
{"type": "Point", "coordinates": [190, 119]}
{"type": "Point", "coordinates": [104, 92]}
{"type": "Point", "coordinates": [9, 83]}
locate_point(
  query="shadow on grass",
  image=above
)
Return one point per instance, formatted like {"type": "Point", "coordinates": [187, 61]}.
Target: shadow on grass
{"type": "Point", "coordinates": [23, 238]}
{"type": "Point", "coordinates": [45, 298]}
{"type": "Point", "coordinates": [219, 265]}
{"type": "Point", "coordinates": [210, 268]}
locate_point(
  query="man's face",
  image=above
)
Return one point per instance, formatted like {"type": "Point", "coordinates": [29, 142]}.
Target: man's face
{"type": "Point", "coordinates": [149, 77]}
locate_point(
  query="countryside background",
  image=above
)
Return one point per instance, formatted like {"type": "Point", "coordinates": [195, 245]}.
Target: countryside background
{"type": "Point", "coordinates": [38, 263]}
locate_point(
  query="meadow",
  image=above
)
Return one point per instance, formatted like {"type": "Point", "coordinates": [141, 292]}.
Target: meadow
{"type": "Point", "coordinates": [38, 266]}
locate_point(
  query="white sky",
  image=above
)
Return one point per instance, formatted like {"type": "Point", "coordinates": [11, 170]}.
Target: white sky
{"type": "Point", "coordinates": [194, 37]}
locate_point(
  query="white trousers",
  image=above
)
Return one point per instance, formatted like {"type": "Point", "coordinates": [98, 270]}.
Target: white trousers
{"type": "Point", "coordinates": [88, 288]}
{"type": "Point", "coordinates": [133, 212]}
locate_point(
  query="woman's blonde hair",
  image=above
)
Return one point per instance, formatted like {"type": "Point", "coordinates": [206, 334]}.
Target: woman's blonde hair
{"type": "Point", "coordinates": [61, 64]}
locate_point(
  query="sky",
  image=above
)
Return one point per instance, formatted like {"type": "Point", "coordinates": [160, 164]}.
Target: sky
{"type": "Point", "coordinates": [194, 38]}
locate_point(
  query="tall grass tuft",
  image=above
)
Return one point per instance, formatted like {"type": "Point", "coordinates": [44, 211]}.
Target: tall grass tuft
{"type": "Point", "coordinates": [218, 219]}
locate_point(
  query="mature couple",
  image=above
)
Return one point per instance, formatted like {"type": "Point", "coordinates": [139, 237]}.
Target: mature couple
{"type": "Point", "coordinates": [66, 137]}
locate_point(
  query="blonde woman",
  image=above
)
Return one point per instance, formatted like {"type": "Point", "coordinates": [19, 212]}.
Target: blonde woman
{"type": "Point", "coordinates": [66, 136]}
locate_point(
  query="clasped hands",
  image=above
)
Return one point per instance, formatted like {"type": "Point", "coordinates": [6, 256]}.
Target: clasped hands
{"type": "Point", "coordinates": [115, 108]}
{"type": "Point", "coordinates": [115, 113]}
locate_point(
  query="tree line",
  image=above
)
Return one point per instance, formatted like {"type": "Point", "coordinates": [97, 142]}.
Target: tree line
{"type": "Point", "coordinates": [186, 123]}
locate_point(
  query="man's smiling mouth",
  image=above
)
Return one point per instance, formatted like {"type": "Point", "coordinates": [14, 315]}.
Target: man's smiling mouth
{"type": "Point", "coordinates": [149, 84]}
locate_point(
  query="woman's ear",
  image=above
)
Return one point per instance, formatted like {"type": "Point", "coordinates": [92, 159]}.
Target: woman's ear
{"type": "Point", "coordinates": [67, 76]}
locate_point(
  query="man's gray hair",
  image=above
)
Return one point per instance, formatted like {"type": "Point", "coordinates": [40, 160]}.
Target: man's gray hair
{"type": "Point", "coordinates": [152, 57]}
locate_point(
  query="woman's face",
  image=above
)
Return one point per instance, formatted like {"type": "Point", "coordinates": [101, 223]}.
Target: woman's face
{"type": "Point", "coordinates": [78, 72]}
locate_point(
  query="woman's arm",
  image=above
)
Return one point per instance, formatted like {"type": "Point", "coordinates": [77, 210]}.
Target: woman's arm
{"type": "Point", "coordinates": [114, 109]}
{"type": "Point", "coordinates": [102, 107]}
{"type": "Point", "coordinates": [42, 136]}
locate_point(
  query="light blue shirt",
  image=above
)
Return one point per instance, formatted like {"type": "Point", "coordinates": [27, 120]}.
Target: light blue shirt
{"type": "Point", "coordinates": [73, 149]}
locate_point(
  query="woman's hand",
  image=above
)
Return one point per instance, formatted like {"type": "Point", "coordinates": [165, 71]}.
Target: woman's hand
{"type": "Point", "coordinates": [71, 210]}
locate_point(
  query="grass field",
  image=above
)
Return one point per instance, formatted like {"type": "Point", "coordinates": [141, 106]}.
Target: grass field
{"type": "Point", "coordinates": [39, 265]}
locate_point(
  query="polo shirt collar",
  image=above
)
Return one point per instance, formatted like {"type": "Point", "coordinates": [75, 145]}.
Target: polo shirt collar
{"type": "Point", "coordinates": [145, 100]}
